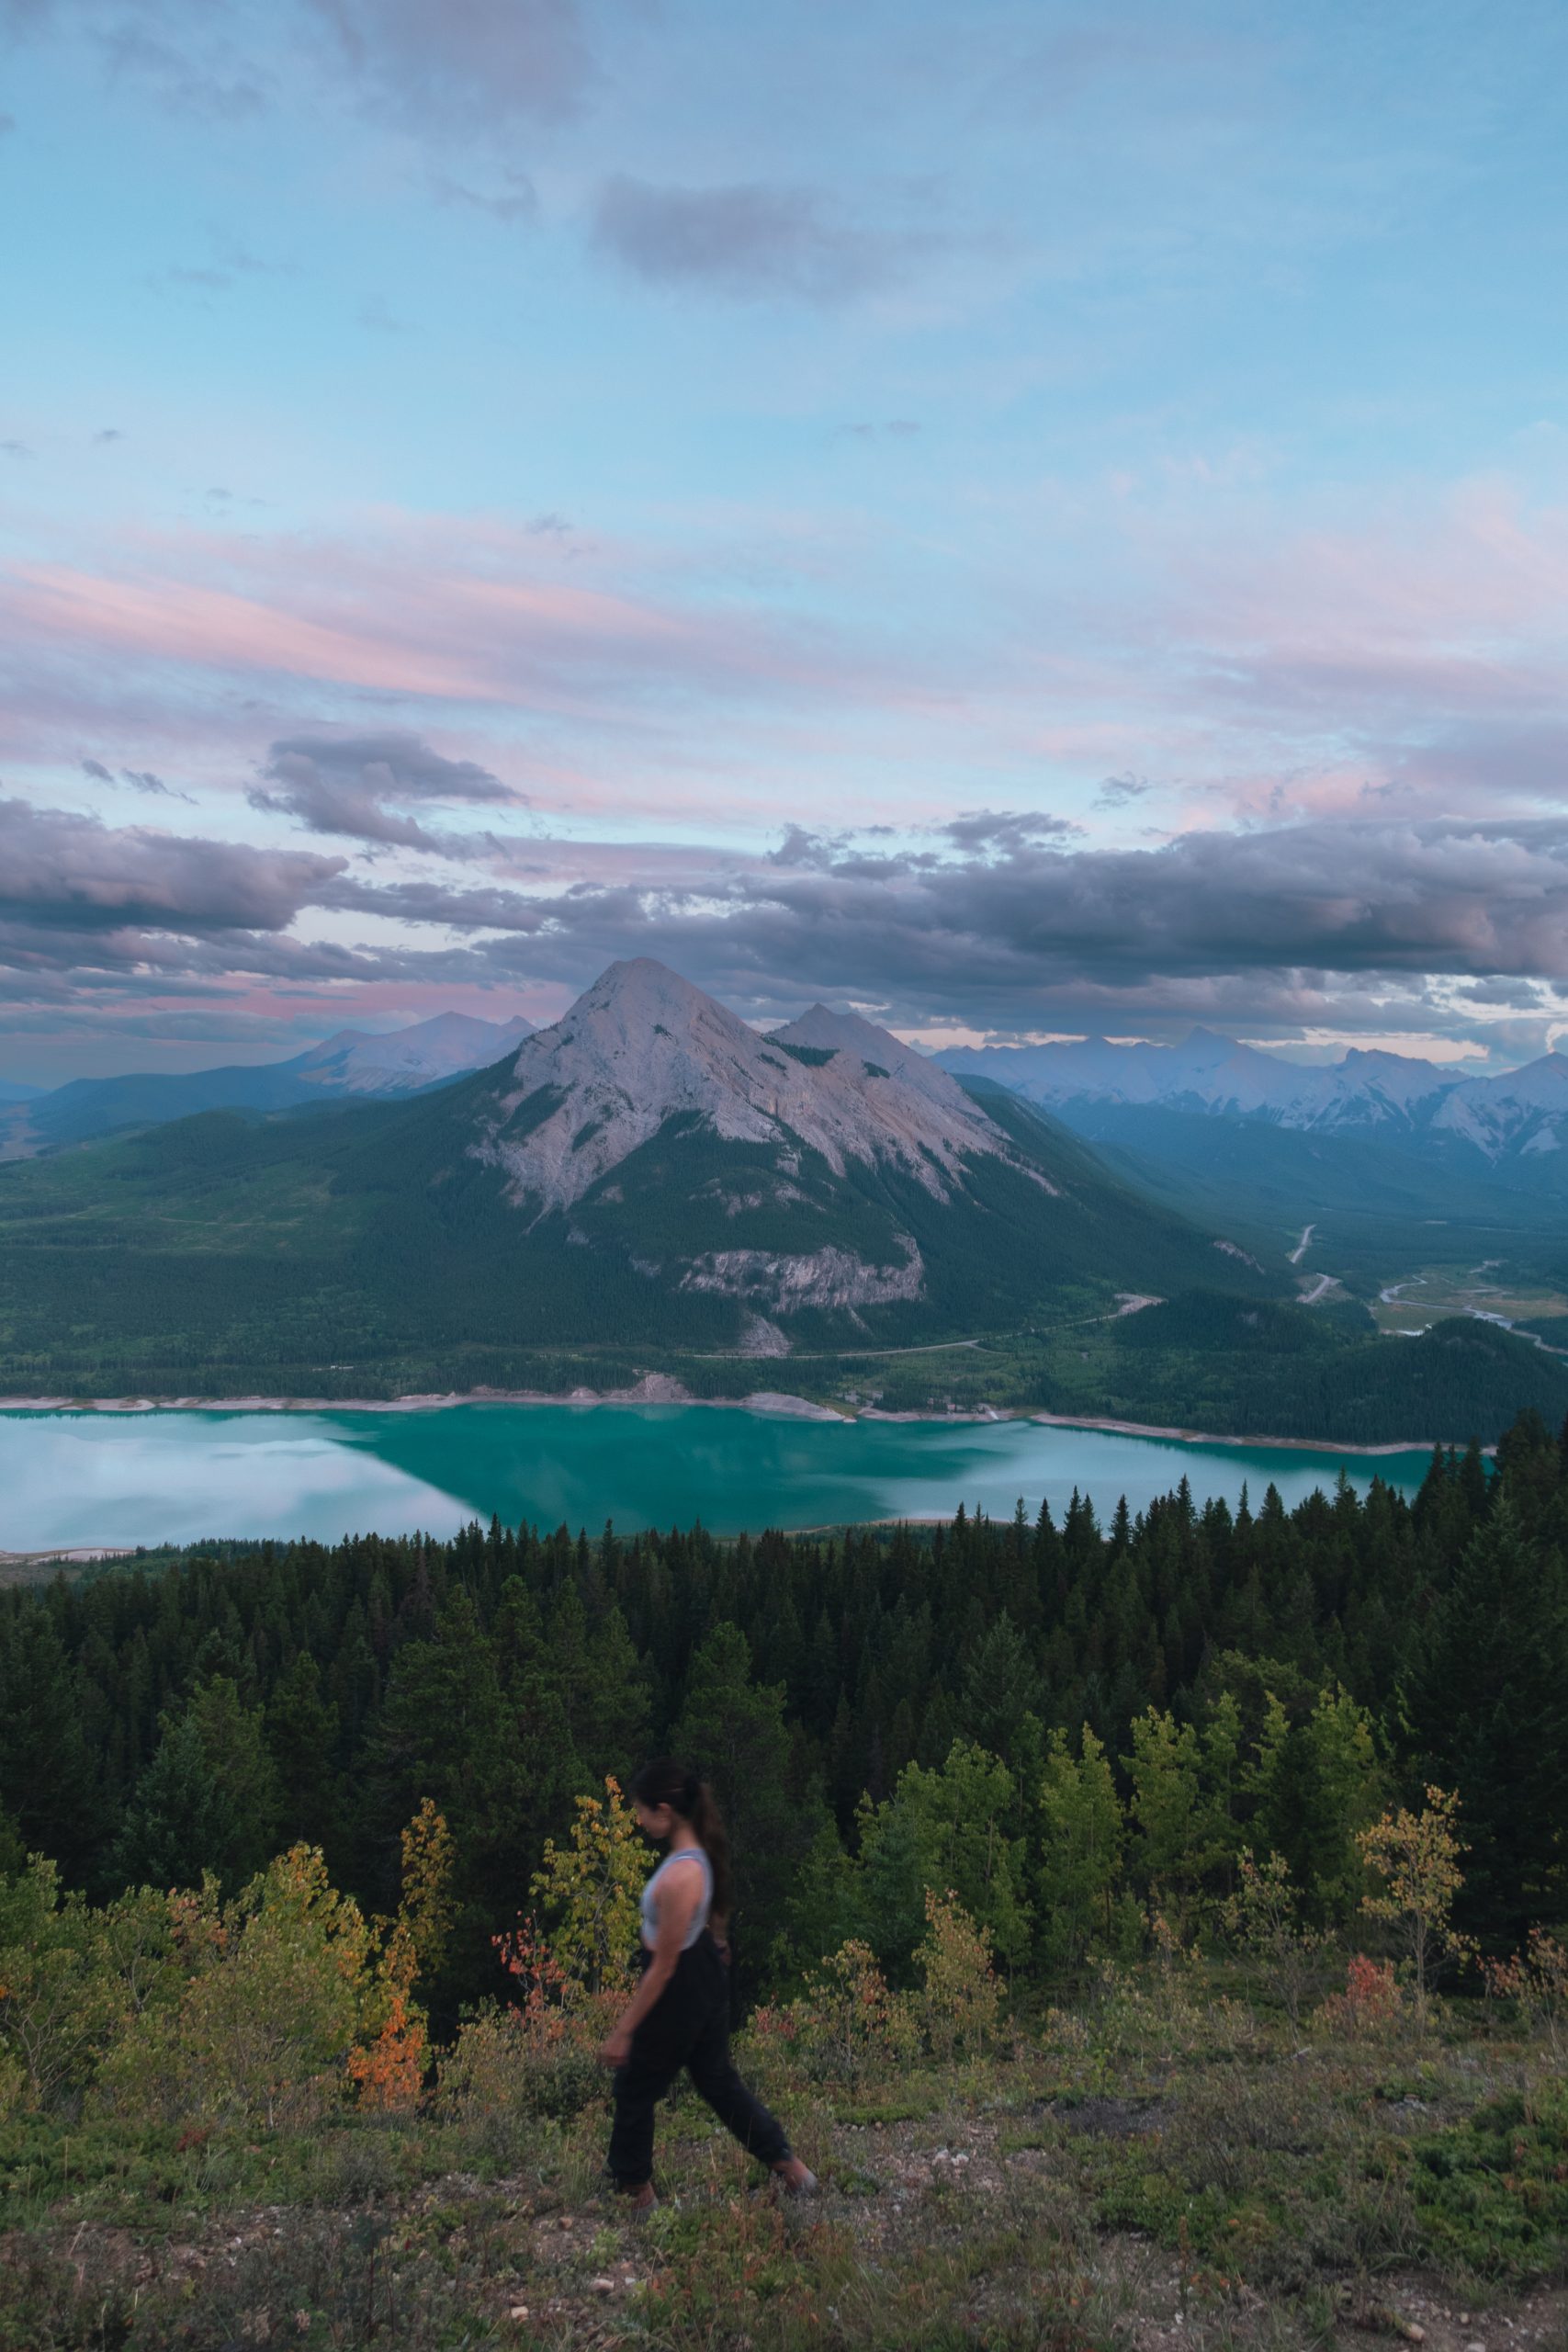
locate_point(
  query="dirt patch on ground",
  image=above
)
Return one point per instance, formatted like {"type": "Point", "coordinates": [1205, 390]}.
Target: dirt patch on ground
{"type": "Point", "coordinates": [1110, 2119]}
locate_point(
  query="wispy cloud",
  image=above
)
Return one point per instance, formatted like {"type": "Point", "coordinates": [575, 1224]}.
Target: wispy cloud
{"type": "Point", "coordinates": [463, 65]}
{"type": "Point", "coordinates": [138, 779]}
{"type": "Point", "coordinates": [515, 200]}
{"type": "Point", "coordinates": [749, 241]}
{"type": "Point", "coordinates": [458, 613]}
{"type": "Point", "coordinates": [1122, 792]}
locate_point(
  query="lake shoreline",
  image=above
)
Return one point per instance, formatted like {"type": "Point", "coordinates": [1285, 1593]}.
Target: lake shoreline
{"type": "Point", "coordinates": [1209, 1437]}
{"type": "Point", "coordinates": [660, 1388]}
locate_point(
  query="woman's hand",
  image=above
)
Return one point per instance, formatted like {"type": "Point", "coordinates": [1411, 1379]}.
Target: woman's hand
{"type": "Point", "coordinates": [616, 2049]}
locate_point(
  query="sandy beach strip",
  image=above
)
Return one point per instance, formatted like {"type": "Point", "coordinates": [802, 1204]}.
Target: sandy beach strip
{"type": "Point", "coordinates": [660, 1388]}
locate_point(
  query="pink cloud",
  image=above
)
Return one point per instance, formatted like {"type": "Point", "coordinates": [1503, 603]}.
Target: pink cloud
{"type": "Point", "coordinates": [728, 665]}
{"type": "Point", "coordinates": [444, 612]}
{"type": "Point", "coordinates": [187, 622]}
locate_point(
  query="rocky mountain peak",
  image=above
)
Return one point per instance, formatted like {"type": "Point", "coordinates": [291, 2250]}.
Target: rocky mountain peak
{"type": "Point", "coordinates": [362, 1061]}
{"type": "Point", "coordinates": [643, 1046]}
{"type": "Point", "coordinates": [849, 1033]}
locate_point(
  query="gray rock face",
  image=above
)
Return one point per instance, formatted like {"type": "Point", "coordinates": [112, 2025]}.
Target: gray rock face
{"type": "Point", "coordinates": [827, 1278]}
{"type": "Point", "coordinates": [642, 1045]}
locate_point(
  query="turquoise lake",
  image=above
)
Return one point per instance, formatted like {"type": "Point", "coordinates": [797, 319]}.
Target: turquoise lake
{"type": "Point", "coordinates": [71, 1479]}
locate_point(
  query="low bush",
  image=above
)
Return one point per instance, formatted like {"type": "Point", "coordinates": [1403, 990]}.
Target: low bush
{"type": "Point", "coordinates": [521, 2062]}
{"type": "Point", "coordinates": [1492, 2191]}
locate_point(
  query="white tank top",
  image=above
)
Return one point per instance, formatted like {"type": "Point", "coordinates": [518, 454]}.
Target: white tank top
{"type": "Point", "coordinates": [650, 1897]}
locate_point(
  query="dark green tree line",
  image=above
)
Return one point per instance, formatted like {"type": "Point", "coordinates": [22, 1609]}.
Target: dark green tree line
{"type": "Point", "coordinates": [872, 1706]}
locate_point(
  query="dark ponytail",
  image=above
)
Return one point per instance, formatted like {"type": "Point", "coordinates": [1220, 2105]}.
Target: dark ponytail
{"type": "Point", "coordinates": [666, 1783]}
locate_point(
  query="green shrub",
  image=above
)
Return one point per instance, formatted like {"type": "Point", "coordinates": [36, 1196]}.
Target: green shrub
{"type": "Point", "coordinates": [1493, 2192]}
{"type": "Point", "coordinates": [515, 2062]}
{"type": "Point", "coordinates": [262, 2026]}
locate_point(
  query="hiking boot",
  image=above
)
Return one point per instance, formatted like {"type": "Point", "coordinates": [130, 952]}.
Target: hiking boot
{"type": "Point", "coordinates": [795, 2178]}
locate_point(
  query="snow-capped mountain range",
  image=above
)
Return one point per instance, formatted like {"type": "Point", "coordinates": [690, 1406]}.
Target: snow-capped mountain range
{"type": "Point", "coordinates": [1520, 1112]}
{"type": "Point", "coordinates": [399, 1061]}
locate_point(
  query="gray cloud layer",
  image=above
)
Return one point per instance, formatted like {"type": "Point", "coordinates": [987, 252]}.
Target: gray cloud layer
{"type": "Point", "coordinates": [1002, 928]}
{"type": "Point", "coordinates": [1265, 926]}
{"type": "Point", "coordinates": [464, 64]}
{"type": "Point", "coordinates": [350, 785]}
{"type": "Point", "coordinates": [441, 67]}
{"type": "Point", "coordinates": [59, 870]}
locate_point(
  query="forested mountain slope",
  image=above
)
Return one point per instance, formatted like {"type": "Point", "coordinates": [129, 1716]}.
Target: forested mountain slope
{"type": "Point", "coordinates": [649, 1175]}
{"type": "Point", "coordinates": [1391, 1156]}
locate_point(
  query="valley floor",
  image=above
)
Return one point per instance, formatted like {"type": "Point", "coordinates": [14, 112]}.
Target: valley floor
{"type": "Point", "coordinates": [1199, 1364]}
{"type": "Point", "coordinates": [1166, 2168]}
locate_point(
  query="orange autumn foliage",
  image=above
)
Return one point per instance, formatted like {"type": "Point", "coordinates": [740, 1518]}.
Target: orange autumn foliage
{"type": "Point", "coordinates": [389, 2071]}
{"type": "Point", "coordinates": [389, 2066]}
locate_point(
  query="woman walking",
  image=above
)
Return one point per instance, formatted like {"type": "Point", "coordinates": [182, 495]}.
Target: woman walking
{"type": "Point", "coordinates": [679, 2016]}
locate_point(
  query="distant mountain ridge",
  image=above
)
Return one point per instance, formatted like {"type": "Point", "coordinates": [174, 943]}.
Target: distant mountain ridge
{"type": "Point", "coordinates": [397, 1062]}
{"type": "Point", "coordinates": [1519, 1111]}
{"type": "Point", "coordinates": [648, 1173]}
{"type": "Point", "coordinates": [353, 1062]}
{"type": "Point", "coordinates": [649, 1193]}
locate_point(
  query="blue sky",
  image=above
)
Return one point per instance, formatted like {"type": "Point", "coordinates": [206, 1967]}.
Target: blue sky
{"type": "Point", "coordinates": [1025, 520]}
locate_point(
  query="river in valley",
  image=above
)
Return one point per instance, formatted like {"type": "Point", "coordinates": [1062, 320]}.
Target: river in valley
{"type": "Point", "coordinates": [84, 1479]}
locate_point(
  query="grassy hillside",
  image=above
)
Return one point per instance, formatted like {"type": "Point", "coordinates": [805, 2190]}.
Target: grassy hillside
{"type": "Point", "coordinates": [1174, 2165]}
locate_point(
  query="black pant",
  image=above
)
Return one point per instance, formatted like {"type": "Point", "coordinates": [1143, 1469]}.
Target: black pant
{"type": "Point", "coordinates": [687, 2026]}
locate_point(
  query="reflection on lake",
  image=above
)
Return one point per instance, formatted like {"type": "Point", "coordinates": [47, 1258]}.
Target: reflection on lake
{"type": "Point", "coordinates": [81, 1479]}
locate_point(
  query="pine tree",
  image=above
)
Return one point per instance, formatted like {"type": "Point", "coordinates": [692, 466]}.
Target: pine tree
{"type": "Point", "coordinates": [448, 1733]}
{"type": "Point", "coordinates": [209, 1799]}
{"type": "Point", "coordinates": [1000, 1690]}
{"type": "Point", "coordinates": [614, 1730]}
{"type": "Point", "coordinates": [732, 1732]}
{"type": "Point", "coordinates": [1317, 1785]}
{"type": "Point", "coordinates": [302, 1733]}
{"type": "Point", "coordinates": [1084, 1832]}
{"type": "Point", "coordinates": [1485, 1712]}
{"type": "Point", "coordinates": [48, 1785]}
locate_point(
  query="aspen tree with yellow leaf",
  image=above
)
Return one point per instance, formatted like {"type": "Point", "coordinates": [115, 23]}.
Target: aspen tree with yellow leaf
{"type": "Point", "coordinates": [1417, 1855]}
{"type": "Point", "coordinates": [589, 1889]}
